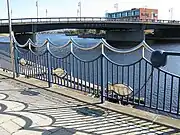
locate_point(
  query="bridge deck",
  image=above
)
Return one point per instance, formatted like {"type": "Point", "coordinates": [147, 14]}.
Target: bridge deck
{"type": "Point", "coordinates": [43, 24]}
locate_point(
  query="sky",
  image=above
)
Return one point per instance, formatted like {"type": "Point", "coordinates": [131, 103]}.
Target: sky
{"type": "Point", "coordinates": [90, 8]}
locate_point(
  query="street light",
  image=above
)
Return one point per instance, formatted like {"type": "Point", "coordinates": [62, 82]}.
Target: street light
{"type": "Point", "coordinates": [171, 13]}
{"type": "Point", "coordinates": [11, 38]}
{"type": "Point", "coordinates": [79, 5]}
{"type": "Point", "coordinates": [37, 8]}
{"type": "Point", "coordinates": [46, 13]}
{"type": "Point", "coordinates": [116, 6]}
{"type": "Point", "coordinates": [77, 12]}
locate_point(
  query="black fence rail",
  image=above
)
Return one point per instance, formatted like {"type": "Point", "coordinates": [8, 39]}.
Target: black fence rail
{"type": "Point", "coordinates": [93, 70]}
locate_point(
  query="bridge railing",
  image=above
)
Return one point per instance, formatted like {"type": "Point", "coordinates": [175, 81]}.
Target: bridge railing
{"type": "Point", "coordinates": [84, 19]}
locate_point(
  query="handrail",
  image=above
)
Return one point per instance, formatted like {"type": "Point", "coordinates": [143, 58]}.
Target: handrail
{"type": "Point", "coordinates": [86, 19]}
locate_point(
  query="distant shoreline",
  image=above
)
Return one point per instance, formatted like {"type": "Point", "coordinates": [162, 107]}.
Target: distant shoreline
{"type": "Point", "coordinates": [4, 35]}
{"type": "Point", "coordinates": [4, 42]}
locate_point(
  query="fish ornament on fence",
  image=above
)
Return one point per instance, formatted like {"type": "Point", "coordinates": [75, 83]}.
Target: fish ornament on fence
{"type": "Point", "coordinates": [59, 72]}
{"type": "Point", "coordinates": [22, 61]}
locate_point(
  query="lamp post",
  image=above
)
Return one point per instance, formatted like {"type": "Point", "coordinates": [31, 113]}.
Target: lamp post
{"type": "Point", "coordinates": [79, 5]}
{"type": "Point", "coordinates": [77, 12]}
{"type": "Point", "coordinates": [171, 13]}
{"type": "Point", "coordinates": [11, 38]}
{"type": "Point", "coordinates": [46, 13]}
{"type": "Point", "coordinates": [116, 6]}
{"type": "Point", "coordinates": [37, 9]}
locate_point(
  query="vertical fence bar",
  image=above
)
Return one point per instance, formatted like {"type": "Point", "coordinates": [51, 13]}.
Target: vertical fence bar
{"type": "Point", "coordinates": [77, 73]}
{"type": "Point", "coordinates": [145, 80]}
{"type": "Point", "coordinates": [55, 66]}
{"type": "Point", "coordinates": [178, 97]}
{"type": "Point", "coordinates": [40, 67]}
{"type": "Point", "coordinates": [71, 59]}
{"type": "Point", "coordinates": [36, 61]}
{"type": "Point", "coordinates": [117, 74]}
{"type": "Point", "coordinates": [63, 67]}
{"type": "Point", "coordinates": [157, 102]}
{"type": "Point", "coordinates": [49, 69]}
{"type": "Point", "coordinates": [42, 70]}
{"type": "Point", "coordinates": [172, 79]}
{"type": "Point", "coordinates": [102, 75]}
{"type": "Point", "coordinates": [84, 65]}
{"type": "Point", "coordinates": [45, 61]}
{"type": "Point", "coordinates": [164, 91]}
{"type": "Point", "coordinates": [44, 67]}
{"type": "Point", "coordinates": [89, 77]}
{"type": "Point", "coordinates": [139, 83]}
{"type": "Point", "coordinates": [28, 62]}
{"type": "Point", "coordinates": [81, 75]}
{"type": "Point", "coordinates": [66, 80]}
{"type": "Point", "coordinates": [107, 81]}
{"type": "Point", "coordinates": [34, 64]}
{"type": "Point", "coordinates": [151, 88]}
{"type": "Point", "coordinates": [128, 82]}
{"type": "Point", "coordinates": [74, 78]}
{"type": "Point", "coordinates": [26, 66]}
{"type": "Point", "coordinates": [143, 49]}
{"type": "Point", "coordinates": [70, 70]}
{"type": "Point", "coordinates": [93, 78]}
{"type": "Point", "coordinates": [122, 74]}
{"type": "Point", "coordinates": [133, 81]}
{"type": "Point", "coordinates": [16, 62]}
{"type": "Point", "coordinates": [23, 67]}
{"type": "Point", "coordinates": [32, 68]}
{"type": "Point", "coordinates": [97, 68]}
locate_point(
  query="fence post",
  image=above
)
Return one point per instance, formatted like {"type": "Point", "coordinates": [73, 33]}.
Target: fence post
{"type": "Point", "coordinates": [16, 61]}
{"type": "Point", "coordinates": [143, 51]}
{"type": "Point", "coordinates": [102, 75]}
{"type": "Point", "coordinates": [49, 66]}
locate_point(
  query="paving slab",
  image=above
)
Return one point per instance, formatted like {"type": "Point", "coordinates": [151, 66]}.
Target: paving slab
{"type": "Point", "coordinates": [31, 110]}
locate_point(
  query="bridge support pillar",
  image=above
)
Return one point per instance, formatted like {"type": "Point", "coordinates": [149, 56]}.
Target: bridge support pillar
{"type": "Point", "coordinates": [124, 36]}
{"type": "Point", "coordinates": [23, 37]}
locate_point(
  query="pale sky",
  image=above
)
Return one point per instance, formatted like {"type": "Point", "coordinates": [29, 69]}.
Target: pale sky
{"type": "Point", "coordinates": [90, 8]}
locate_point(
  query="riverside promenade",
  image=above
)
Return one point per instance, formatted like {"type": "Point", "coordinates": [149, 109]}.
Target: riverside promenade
{"type": "Point", "coordinates": [29, 107]}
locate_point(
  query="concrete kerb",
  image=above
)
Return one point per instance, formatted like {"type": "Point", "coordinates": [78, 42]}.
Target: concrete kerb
{"type": "Point", "coordinates": [68, 92]}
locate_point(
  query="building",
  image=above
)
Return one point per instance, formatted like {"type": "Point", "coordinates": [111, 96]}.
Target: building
{"type": "Point", "coordinates": [135, 13]}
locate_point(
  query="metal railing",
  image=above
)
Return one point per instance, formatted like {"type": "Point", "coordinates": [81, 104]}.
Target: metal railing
{"type": "Point", "coordinates": [84, 19]}
{"type": "Point", "coordinates": [152, 88]}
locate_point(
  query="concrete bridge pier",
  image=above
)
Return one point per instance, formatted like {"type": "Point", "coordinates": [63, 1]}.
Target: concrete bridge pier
{"type": "Point", "coordinates": [23, 37]}
{"type": "Point", "coordinates": [124, 37]}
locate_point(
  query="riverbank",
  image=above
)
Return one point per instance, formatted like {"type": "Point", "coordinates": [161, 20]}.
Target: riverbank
{"type": "Point", "coordinates": [4, 35]}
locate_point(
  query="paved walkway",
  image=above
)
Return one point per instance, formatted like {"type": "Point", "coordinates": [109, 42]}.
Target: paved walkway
{"type": "Point", "coordinates": [26, 110]}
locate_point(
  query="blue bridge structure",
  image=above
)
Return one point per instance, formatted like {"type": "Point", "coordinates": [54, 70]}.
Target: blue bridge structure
{"type": "Point", "coordinates": [116, 29]}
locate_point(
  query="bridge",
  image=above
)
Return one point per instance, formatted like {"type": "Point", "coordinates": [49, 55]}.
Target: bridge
{"type": "Point", "coordinates": [116, 29]}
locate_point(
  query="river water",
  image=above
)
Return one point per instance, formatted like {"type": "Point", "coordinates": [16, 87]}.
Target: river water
{"type": "Point", "coordinates": [173, 62]}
